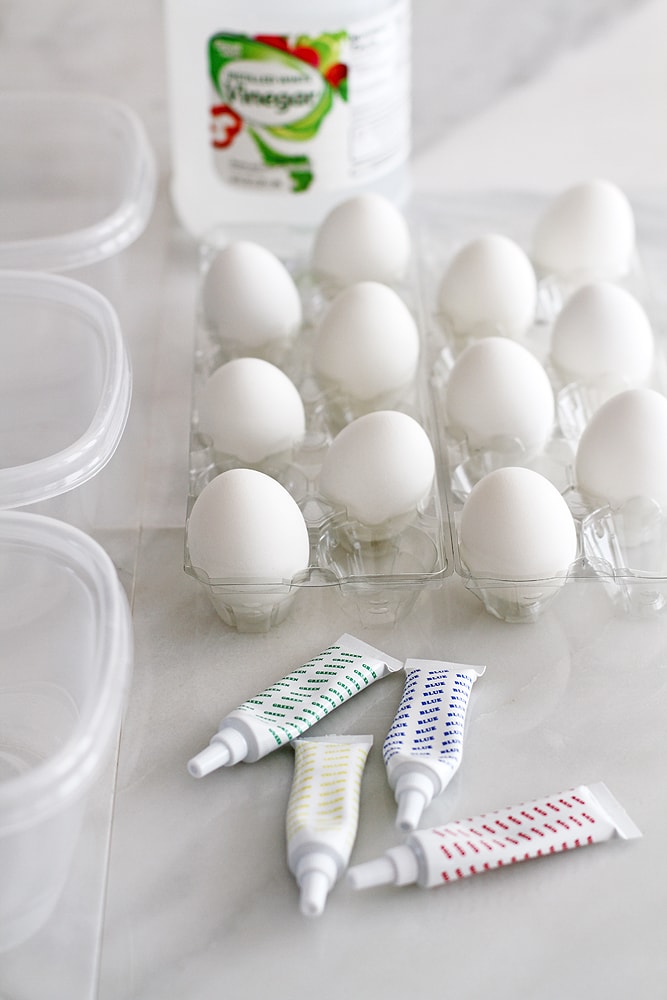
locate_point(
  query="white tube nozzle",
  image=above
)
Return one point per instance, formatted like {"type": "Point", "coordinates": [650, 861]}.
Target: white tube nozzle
{"type": "Point", "coordinates": [411, 805]}
{"type": "Point", "coordinates": [380, 871]}
{"type": "Point", "coordinates": [397, 866]}
{"type": "Point", "coordinates": [228, 746]}
{"type": "Point", "coordinates": [213, 756]}
{"type": "Point", "coordinates": [413, 792]}
{"type": "Point", "coordinates": [315, 874]}
{"type": "Point", "coordinates": [314, 891]}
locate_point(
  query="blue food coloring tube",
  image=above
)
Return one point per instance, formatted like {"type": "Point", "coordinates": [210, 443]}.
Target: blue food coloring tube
{"type": "Point", "coordinates": [424, 746]}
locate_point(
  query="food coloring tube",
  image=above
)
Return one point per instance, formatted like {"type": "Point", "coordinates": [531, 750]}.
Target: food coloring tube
{"type": "Point", "coordinates": [424, 746]}
{"type": "Point", "coordinates": [292, 705]}
{"type": "Point", "coordinates": [323, 813]}
{"type": "Point", "coordinates": [584, 815]}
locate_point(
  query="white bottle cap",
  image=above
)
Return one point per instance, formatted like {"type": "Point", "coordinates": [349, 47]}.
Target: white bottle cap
{"type": "Point", "coordinates": [227, 747]}
{"type": "Point", "coordinates": [398, 866]}
{"type": "Point", "coordinates": [413, 792]}
{"type": "Point", "coordinates": [315, 875]}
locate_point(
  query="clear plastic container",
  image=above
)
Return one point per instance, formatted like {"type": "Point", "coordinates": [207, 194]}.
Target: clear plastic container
{"type": "Point", "coordinates": [65, 388]}
{"type": "Point", "coordinates": [77, 179]}
{"type": "Point", "coordinates": [65, 663]}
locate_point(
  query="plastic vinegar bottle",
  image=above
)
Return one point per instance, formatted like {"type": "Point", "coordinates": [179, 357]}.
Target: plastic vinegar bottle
{"type": "Point", "coordinates": [278, 111]}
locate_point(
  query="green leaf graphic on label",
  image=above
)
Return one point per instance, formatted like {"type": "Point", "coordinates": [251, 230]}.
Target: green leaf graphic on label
{"type": "Point", "coordinates": [298, 166]}
{"type": "Point", "coordinates": [308, 126]}
{"type": "Point", "coordinates": [329, 51]}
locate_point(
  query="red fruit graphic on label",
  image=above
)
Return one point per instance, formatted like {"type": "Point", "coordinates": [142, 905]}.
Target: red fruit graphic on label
{"type": "Point", "coordinates": [225, 125]}
{"type": "Point", "coordinates": [336, 74]}
{"type": "Point", "coordinates": [307, 54]}
{"type": "Point", "coordinates": [275, 41]}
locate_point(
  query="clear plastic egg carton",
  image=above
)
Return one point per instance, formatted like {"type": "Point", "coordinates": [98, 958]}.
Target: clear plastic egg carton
{"type": "Point", "coordinates": [624, 549]}
{"type": "Point", "coordinates": [378, 578]}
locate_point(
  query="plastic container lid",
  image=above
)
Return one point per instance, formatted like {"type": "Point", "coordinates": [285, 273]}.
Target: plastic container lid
{"type": "Point", "coordinates": [66, 659]}
{"type": "Point", "coordinates": [65, 385]}
{"type": "Point", "coordinates": [77, 179]}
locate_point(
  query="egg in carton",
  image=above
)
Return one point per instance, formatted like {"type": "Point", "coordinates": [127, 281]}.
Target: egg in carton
{"type": "Point", "coordinates": [521, 359]}
{"type": "Point", "coordinates": [488, 347]}
{"type": "Point", "coordinates": [321, 389]}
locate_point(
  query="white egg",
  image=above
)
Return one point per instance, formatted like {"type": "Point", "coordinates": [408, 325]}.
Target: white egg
{"type": "Point", "coordinates": [367, 342]}
{"type": "Point", "coordinates": [603, 332]}
{"type": "Point", "coordinates": [365, 238]}
{"type": "Point", "coordinates": [250, 409]}
{"type": "Point", "coordinates": [622, 452]}
{"type": "Point", "coordinates": [245, 526]}
{"type": "Point", "coordinates": [587, 232]}
{"type": "Point", "coordinates": [379, 467]}
{"type": "Point", "coordinates": [498, 389]}
{"type": "Point", "coordinates": [489, 287]}
{"type": "Point", "coordinates": [249, 298]}
{"type": "Point", "coordinates": [515, 525]}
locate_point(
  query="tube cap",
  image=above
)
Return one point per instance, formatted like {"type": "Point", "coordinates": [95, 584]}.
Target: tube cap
{"type": "Point", "coordinates": [398, 866]}
{"type": "Point", "coordinates": [227, 747]}
{"type": "Point", "coordinates": [413, 792]}
{"type": "Point", "coordinates": [411, 805]}
{"type": "Point", "coordinates": [314, 887]}
{"type": "Point", "coordinates": [315, 875]}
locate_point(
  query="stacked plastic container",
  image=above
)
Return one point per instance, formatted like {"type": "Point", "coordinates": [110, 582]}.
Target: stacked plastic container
{"type": "Point", "coordinates": [76, 187]}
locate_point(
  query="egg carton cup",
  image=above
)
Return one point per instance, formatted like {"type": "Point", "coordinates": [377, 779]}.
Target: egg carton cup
{"type": "Point", "coordinates": [518, 601]}
{"type": "Point", "coordinates": [378, 574]}
{"type": "Point", "coordinates": [292, 245]}
{"type": "Point", "coordinates": [627, 546]}
{"type": "Point", "coordinates": [624, 550]}
{"type": "Point", "coordinates": [554, 290]}
{"type": "Point", "coordinates": [443, 225]}
{"type": "Point", "coordinates": [379, 571]}
{"type": "Point", "coordinates": [440, 233]}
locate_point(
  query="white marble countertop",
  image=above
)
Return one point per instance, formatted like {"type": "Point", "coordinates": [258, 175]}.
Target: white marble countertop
{"type": "Point", "coordinates": [199, 901]}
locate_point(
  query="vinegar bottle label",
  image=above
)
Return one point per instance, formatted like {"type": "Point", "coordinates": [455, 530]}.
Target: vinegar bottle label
{"type": "Point", "coordinates": [311, 112]}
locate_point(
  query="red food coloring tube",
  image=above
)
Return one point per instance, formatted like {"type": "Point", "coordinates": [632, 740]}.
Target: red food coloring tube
{"type": "Point", "coordinates": [588, 814]}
